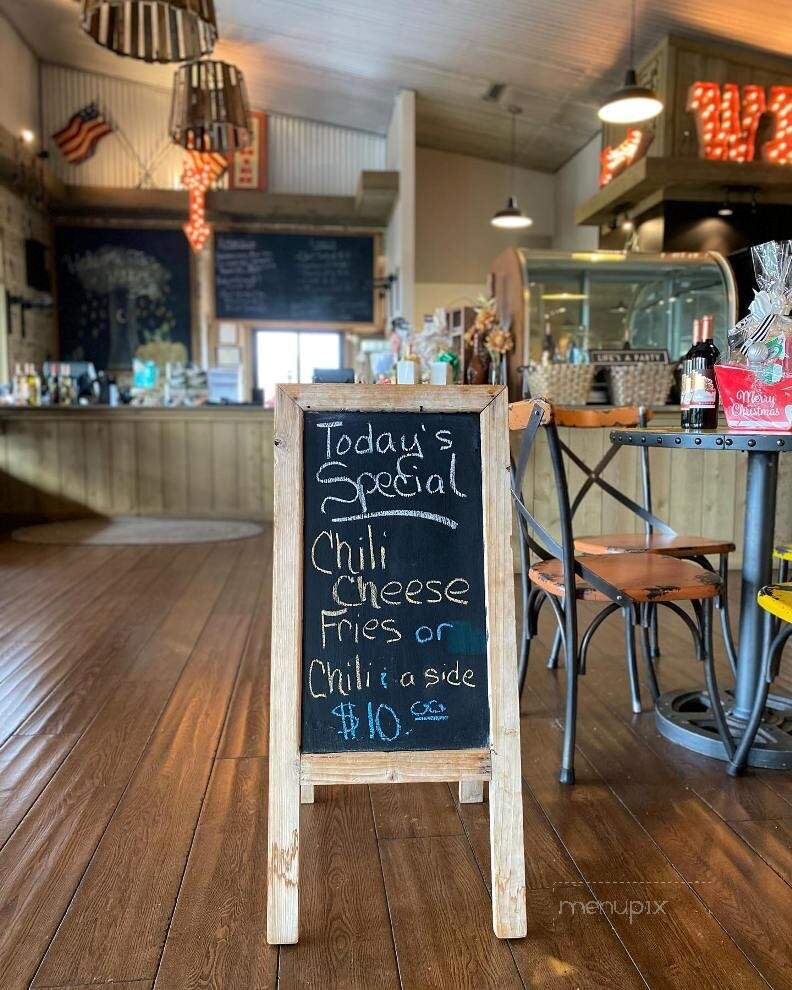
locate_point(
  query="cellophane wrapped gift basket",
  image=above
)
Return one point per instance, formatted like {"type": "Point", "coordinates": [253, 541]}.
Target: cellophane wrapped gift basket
{"type": "Point", "coordinates": [755, 382]}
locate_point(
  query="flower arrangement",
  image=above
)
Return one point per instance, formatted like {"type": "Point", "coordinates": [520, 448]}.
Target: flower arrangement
{"type": "Point", "coordinates": [496, 337]}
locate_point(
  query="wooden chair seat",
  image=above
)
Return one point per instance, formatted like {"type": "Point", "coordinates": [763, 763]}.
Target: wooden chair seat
{"type": "Point", "coordinates": [672, 546]}
{"type": "Point", "coordinates": [783, 551]}
{"type": "Point", "coordinates": [644, 577]}
{"type": "Point", "coordinates": [777, 600]}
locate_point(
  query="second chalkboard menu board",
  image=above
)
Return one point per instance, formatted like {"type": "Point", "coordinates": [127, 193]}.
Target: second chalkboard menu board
{"type": "Point", "coordinates": [294, 278]}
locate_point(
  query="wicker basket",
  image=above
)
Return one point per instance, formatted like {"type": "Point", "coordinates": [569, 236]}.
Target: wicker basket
{"type": "Point", "coordinates": [565, 384]}
{"type": "Point", "coordinates": [640, 384]}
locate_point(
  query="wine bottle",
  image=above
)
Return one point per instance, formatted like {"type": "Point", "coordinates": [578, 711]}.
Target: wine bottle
{"type": "Point", "coordinates": [699, 399]}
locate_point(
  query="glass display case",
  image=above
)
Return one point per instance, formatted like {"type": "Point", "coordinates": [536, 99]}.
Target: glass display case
{"type": "Point", "coordinates": [609, 299]}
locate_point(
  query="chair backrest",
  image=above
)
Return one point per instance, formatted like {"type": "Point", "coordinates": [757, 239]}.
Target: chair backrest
{"type": "Point", "coordinates": [528, 417]}
{"type": "Point", "coordinates": [617, 416]}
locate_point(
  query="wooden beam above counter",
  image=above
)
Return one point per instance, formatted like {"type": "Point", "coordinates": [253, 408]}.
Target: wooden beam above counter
{"type": "Point", "coordinates": [371, 207]}
{"type": "Point", "coordinates": [683, 179]}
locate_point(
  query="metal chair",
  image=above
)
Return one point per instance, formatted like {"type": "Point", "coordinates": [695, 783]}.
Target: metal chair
{"type": "Point", "coordinates": [776, 600]}
{"type": "Point", "coordinates": [657, 537]}
{"type": "Point", "coordinates": [623, 582]}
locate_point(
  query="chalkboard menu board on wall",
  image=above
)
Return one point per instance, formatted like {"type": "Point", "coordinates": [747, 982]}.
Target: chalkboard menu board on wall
{"type": "Point", "coordinates": [123, 292]}
{"type": "Point", "coordinates": [394, 617]}
{"type": "Point", "coordinates": [294, 277]}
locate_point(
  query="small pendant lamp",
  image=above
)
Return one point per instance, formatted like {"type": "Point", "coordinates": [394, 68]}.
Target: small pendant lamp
{"type": "Point", "coordinates": [632, 104]}
{"type": "Point", "coordinates": [210, 111]}
{"type": "Point", "coordinates": [152, 30]}
{"type": "Point", "coordinates": [511, 217]}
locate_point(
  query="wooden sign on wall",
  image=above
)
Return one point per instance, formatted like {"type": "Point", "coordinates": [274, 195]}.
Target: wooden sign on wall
{"type": "Point", "coordinates": [249, 167]}
{"type": "Point", "coordinates": [393, 646]}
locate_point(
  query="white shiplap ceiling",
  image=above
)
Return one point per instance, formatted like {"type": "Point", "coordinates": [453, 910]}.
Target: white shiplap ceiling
{"type": "Point", "coordinates": [342, 61]}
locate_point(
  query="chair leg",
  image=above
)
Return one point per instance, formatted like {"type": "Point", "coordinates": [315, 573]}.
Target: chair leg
{"type": "Point", "coordinates": [654, 633]}
{"type": "Point", "coordinates": [632, 664]}
{"type": "Point", "coordinates": [739, 760]}
{"type": "Point", "coordinates": [648, 622]}
{"type": "Point", "coordinates": [704, 612]}
{"type": "Point", "coordinates": [567, 774]}
{"type": "Point", "coordinates": [552, 660]}
{"type": "Point", "coordinates": [783, 571]}
{"type": "Point", "coordinates": [723, 608]}
{"type": "Point", "coordinates": [523, 671]}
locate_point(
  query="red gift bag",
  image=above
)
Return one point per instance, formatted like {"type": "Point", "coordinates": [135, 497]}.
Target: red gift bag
{"type": "Point", "coordinates": [750, 404]}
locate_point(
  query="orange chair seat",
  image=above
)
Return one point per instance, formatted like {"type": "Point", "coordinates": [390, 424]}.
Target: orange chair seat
{"type": "Point", "coordinates": [644, 577]}
{"type": "Point", "coordinates": [672, 546]}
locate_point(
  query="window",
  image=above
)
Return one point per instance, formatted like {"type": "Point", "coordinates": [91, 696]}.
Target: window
{"type": "Point", "coordinates": [284, 356]}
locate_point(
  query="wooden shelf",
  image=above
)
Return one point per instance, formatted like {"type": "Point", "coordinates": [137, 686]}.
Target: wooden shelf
{"type": "Point", "coordinates": [371, 207]}
{"type": "Point", "coordinates": [659, 179]}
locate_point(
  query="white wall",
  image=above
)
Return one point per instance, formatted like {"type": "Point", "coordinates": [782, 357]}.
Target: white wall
{"type": "Point", "coordinates": [304, 156]}
{"type": "Point", "coordinates": [19, 82]}
{"type": "Point", "coordinates": [575, 182]}
{"type": "Point", "coordinates": [456, 196]}
{"type": "Point", "coordinates": [400, 236]}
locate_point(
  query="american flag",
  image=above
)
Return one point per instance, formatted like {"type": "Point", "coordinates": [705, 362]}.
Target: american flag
{"type": "Point", "coordinates": [77, 141]}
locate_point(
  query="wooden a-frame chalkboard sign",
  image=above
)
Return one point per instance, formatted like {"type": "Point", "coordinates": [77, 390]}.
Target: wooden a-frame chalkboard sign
{"type": "Point", "coordinates": [393, 635]}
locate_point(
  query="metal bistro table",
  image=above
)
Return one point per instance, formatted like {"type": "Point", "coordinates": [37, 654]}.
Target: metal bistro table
{"type": "Point", "coordinates": [684, 717]}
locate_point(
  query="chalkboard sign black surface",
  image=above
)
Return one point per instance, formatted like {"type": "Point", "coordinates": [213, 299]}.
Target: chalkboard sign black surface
{"type": "Point", "coordinates": [394, 615]}
{"type": "Point", "coordinates": [294, 277]}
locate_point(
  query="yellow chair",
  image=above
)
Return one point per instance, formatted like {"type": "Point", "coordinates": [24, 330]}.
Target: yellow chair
{"type": "Point", "coordinates": [776, 600]}
{"type": "Point", "coordinates": [783, 554]}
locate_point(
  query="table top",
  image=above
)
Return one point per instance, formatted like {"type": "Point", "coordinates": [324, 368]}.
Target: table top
{"type": "Point", "coordinates": [720, 439]}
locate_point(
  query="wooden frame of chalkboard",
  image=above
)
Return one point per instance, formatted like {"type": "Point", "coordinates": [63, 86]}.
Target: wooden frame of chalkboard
{"type": "Point", "coordinates": [293, 772]}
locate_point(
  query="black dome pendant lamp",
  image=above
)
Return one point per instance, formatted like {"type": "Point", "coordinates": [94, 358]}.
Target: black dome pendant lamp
{"type": "Point", "coordinates": [632, 104]}
{"type": "Point", "coordinates": [511, 217]}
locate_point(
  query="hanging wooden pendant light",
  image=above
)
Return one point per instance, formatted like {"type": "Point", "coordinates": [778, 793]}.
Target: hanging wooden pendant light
{"type": "Point", "coordinates": [152, 30]}
{"type": "Point", "coordinates": [210, 111]}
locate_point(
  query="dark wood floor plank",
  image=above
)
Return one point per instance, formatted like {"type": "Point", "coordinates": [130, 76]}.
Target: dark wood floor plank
{"type": "Point", "coordinates": [43, 861]}
{"type": "Point", "coordinates": [442, 917]}
{"type": "Point", "coordinates": [404, 811]}
{"type": "Point", "coordinates": [25, 566]}
{"type": "Point", "coordinates": [217, 938]}
{"type": "Point", "coordinates": [617, 855]}
{"type": "Point", "coordinates": [38, 613]}
{"type": "Point", "coordinates": [246, 732]}
{"type": "Point", "coordinates": [133, 622]}
{"type": "Point", "coordinates": [345, 934]}
{"type": "Point", "coordinates": [27, 763]}
{"type": "Point", "coordinates": [732, 880]}
{"type": "Point", "coordinates": [35, 678]}
{"type": "Point", "coordinates": [772, 840]}
{"type": "Point", "coordinates": [566, 946]}
{"type": "Point", "coordinates": [31, 756]}
{"type": "Point", "coordinates": [116, 925]}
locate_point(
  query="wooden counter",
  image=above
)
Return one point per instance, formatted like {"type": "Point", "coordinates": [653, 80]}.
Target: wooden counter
{"type": "Point", "coordinates": [217, 463]}
{"type": "Point", "coordinates": [63, 463]}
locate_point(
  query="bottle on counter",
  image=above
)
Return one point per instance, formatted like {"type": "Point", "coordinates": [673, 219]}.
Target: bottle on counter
{"type": "Point", "coordinates": [699, 388]}
{"type": "Point", "coordinates": [548, 355]}
{"type": "Point", "coordinates": [20, 386]}
{"type": "Point", "coordinates": [66, 391]}
{"type": "Point", "coordinates": [34, 386]}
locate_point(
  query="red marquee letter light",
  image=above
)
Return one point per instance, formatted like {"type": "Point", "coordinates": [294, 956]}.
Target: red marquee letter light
{"type": "Point", "coordinates": [726, 125]}
{"type": "Point", "coordinates": [613, 161]}
{"type": "Point", "coordinates": [779, 148]}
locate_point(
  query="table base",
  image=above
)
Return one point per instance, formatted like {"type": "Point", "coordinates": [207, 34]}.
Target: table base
{"type": "Point", "coordinates": [685, 718]}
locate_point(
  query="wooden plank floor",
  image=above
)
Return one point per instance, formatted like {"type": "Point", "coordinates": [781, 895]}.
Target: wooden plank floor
{"type": "Point", "coordinates": [133, 781]}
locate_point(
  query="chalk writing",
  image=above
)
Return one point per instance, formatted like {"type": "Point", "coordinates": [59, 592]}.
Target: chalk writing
{"type": "Point", "coordinates": [394, 616]}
